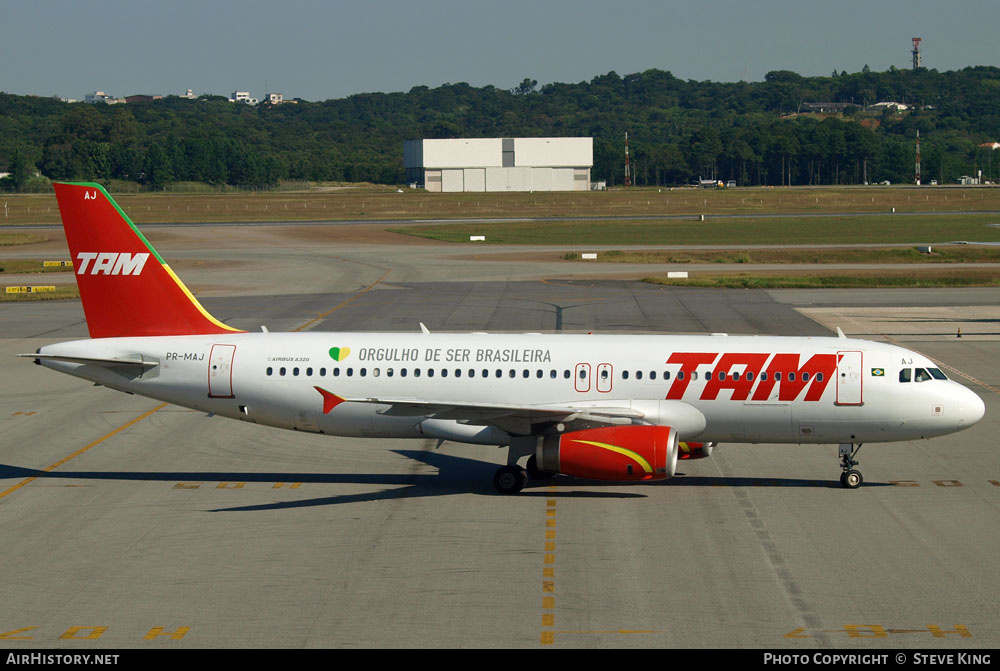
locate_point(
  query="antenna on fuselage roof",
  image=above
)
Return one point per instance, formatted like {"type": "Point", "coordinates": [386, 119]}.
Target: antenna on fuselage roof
{"type": "Point", "coordinates": [840, 334]}
{"type": "Point", "coordinates": [423, 329]}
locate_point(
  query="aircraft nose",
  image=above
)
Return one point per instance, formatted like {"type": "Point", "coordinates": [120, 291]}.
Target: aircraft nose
{"type": "Point", "coordinates": [970, 409]}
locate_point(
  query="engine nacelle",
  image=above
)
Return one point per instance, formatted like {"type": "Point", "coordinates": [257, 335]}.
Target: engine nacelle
{"type": "Point", "coordinates": [611, 453]}
{"type": "Point", "coordinates": [688, 450]}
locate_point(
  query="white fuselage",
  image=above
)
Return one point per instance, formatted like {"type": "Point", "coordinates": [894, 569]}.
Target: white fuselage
{"type": "Point", "coordinates": [710, 388]}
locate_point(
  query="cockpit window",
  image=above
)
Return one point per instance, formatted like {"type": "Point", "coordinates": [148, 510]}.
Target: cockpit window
{"type": "Point", "coordinates": [937, 374]}
{"type": "Point", "coordinates": [905, 374]}
{"type": "Point", "coordinates": [921, 375]}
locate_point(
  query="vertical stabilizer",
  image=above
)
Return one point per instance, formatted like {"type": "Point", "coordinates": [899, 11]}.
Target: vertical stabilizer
{"type": "Point", "coordinates": [126, 287]}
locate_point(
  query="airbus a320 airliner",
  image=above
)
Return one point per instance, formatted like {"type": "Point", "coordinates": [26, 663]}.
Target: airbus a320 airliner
{"type": "Point", "coordinates": [607, 407]}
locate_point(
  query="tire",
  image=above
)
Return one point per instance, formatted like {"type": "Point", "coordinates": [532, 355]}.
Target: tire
{"type": "Point", "coordinates": [509, 479]}
{"type": "Point", "coordinates": [851, 479]}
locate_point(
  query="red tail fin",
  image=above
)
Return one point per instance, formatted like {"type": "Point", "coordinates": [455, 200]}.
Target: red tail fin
{"type": "Point", "coordinates": [126, 287]}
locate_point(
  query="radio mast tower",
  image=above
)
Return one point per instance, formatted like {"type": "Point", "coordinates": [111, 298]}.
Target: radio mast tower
{"type": "Point", "coordinates": [917, 62]}
{"type": "Point", "coordinates": [628, 173]}
{"type": "Point", "coordinates": [918, 159]}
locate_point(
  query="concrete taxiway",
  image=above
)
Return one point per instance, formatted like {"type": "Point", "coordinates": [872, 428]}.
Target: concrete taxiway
{"type": "Point", "coordinates": [127, 524]}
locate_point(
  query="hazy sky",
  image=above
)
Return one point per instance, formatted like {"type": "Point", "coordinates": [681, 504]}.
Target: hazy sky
{"type": "Point", "coordinates": [316, 49]}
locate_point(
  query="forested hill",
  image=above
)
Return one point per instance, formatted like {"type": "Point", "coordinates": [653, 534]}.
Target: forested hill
{"type": "Point", "coordinates": [754, 133]}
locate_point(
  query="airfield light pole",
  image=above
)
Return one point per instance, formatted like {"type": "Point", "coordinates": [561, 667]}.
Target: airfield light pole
{"type": "Point", "coordinates": [628, 174]}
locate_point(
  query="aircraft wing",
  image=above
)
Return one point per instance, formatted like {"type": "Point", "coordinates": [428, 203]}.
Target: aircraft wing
{"type": "Point", "coordinates": [515, 419]}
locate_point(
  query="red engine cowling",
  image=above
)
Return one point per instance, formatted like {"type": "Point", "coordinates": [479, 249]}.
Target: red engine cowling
{"type": "Point", "coordinates": [612, 453]}
{"type": "Point", "coordinates": [694, 450]}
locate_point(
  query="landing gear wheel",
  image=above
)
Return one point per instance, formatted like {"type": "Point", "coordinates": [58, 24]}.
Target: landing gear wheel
{"type": "Point", "coordinates": [533, 471]}
{"type": "Point", "coordinates": [851, 479]}
{"type": "Point", "coordinates": [510, 479]}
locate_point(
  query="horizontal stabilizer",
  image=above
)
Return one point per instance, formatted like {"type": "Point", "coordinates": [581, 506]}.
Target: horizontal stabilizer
{"type": "Point", "coordinates": [108, 362]}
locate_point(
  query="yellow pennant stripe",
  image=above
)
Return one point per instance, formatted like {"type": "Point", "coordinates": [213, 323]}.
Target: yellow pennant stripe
{"type": "Point", "coordinates": [620, 450]}
{"type": "Point", "coordinates": [195, 302]}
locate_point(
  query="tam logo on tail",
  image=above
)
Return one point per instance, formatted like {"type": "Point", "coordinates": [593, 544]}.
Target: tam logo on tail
{"type": "Point", "coordinates": [152, 301]}
{"type": "Point", "coordinates": [111, 263]}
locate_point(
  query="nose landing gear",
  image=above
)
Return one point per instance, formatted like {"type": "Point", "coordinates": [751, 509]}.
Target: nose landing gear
{"type": "Point", "coordinates": [850, 478]}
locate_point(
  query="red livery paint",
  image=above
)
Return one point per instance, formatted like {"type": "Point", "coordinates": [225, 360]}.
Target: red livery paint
{"type": "Point", "coordinates": [330, 400]}
{"type": "Point", "coordinates": [125, 288]}
{"type": "Point", "coordinates": [782, 370]}
{"type": "Point", "coordinates": [619, 453]}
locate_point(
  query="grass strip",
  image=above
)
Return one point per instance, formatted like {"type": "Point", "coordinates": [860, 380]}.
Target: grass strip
{"type": "Point", "coordinates": [830, 230]}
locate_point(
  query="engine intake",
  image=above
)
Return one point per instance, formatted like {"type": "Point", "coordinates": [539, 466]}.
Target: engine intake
{"type": "Point", "coordinates": [611, 453]}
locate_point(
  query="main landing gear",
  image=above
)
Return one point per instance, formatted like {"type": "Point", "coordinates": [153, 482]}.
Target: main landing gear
{"type": "Point", "coordinates": [850, 478]}
{"type": "Point", "coordinates": [511, 479]}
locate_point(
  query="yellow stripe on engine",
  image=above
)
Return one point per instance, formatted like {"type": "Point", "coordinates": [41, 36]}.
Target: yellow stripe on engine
{"type": "Point", "coordinates": [620, 450]}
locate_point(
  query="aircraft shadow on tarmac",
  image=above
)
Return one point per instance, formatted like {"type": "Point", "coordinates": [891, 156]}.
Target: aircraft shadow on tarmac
{"type": "Point", "coordinates": [455, 475]}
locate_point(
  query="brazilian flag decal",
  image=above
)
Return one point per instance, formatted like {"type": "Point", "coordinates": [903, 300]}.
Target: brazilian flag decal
{"type": "Point", "coordinates": [878, 372]}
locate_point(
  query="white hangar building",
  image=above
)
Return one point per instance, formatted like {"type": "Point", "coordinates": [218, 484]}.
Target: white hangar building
{"type": "Point", "coordinates": [500, 164]}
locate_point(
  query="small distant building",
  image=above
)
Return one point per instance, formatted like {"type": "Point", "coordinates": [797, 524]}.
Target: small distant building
{"type": "Point", "coordinates": [189, 95]}
{"type": "Point", "coordinates": [500, 164]}
{"type": "Point", "coordinates": [242, 97]}
{"type": "Point", "coordinates": [827, 108]}
{"type": "Point", "coordinates": [273, 99]}
{"type": "Point", "coordinates": [967, 180]}
{"type": "Point", "coordinates": [890, 105]}
{"type": "Point", "coordinates": [990, 145]}
{"type": "Point", "coordinates": [142, 98]}
{"type": "Point", "coordinates": [98, 97]}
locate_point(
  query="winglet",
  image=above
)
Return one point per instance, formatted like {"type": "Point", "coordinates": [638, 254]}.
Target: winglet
{"type": "Point", "coordinates": [126, 287]}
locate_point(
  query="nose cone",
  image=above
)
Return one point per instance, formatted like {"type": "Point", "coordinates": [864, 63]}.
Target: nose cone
{"type": "Point", "coordinates": [970, 409]}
